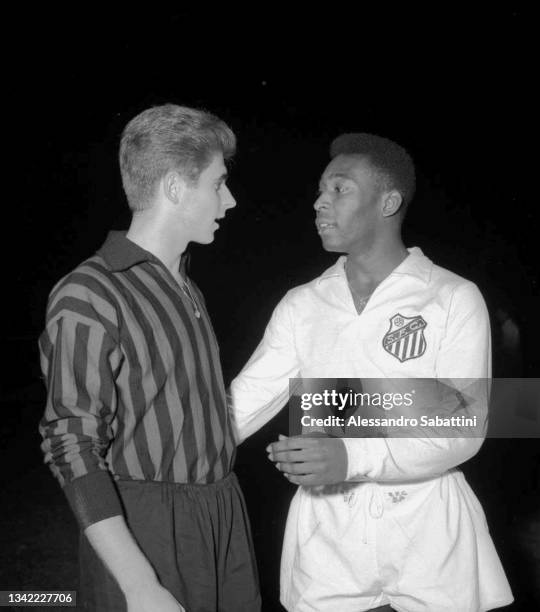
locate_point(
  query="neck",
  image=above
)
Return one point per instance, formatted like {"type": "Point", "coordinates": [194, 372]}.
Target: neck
{"type": "Point", "coordinates": [149, 232]}
{"type": "Point", "coordinates": [371, 267]}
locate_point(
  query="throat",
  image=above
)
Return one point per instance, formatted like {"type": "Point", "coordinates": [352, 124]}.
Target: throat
{"type": "Point", "coordinates": [360, 301]}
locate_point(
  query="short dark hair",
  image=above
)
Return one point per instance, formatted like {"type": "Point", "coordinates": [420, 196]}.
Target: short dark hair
{"type": "Point", "coordinates": [391, 162]}
{"type": "Point", "coordinates": [169, 137]}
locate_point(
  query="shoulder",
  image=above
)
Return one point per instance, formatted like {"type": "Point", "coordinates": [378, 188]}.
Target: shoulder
{"type": "Point", "coordinates": [87, 292]}
{"type": "Point", "coordinates": [303, 296]}
{"type": "Point", "coordinates": [463, 306]}
{"type": "Point", "coordinates": [312, 290]}
{"type": "Point", "coordinates": [455, 289]}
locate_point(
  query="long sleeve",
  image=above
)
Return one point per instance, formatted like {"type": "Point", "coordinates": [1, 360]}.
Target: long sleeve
{"type": "Point", "coordinates": [78, 360]}
{"type": "Point", "coordinates": [464, 358]}
{"type": "Point", "coordinates": [262, 387]}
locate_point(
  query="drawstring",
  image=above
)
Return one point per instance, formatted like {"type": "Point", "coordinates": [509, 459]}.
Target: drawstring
{"type": "Point", "coordinates": [375, 504]}
{"type": "Point", "coordinates": [349, 497]}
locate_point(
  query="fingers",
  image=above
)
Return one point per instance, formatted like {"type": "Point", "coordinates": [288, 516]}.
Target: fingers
{"type": "Point", "coordinates": [305, 481]}
{"type": "Point", "coordinates": [302, 469]}
{"type": "Point", "coordinates": [291, 444]}
{"type": "Point", "coordinates": [298, 456]}
{"type": "Point", "coordinates": [294, 456]}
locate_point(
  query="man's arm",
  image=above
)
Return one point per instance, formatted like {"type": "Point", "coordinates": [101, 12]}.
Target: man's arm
{"type": "Point", "coordinates": [465, 353]}
{"type": "Point", "coordinates": [262, 388]}
{"type": "Point", "coordinates": [79, 358]}
{"type": "Point", "coordinates": [135, 576]}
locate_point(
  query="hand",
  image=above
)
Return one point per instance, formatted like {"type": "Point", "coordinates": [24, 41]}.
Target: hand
{"type": "Point", "coordinates": [310, 461]}
{"type": "Point", "coordinates": [153, 598]}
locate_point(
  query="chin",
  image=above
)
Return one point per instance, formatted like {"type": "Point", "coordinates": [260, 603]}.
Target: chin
{"type": "Point", "coordinates": [205, 240]}
{"type": "Point", "coordinates": [332, 247]}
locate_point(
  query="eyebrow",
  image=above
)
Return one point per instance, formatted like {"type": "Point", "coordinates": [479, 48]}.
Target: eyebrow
{"type": "Point", "coordinates": [335, 175]}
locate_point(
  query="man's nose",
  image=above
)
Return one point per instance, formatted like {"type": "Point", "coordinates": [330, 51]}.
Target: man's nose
{"type": "Point", "coordinates": [320, 203]}
{"type": "Point", "coordinates": [227, 200]}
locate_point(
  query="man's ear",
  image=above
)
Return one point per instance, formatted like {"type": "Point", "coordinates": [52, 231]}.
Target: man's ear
{"type": "Point", "coordinates": [174, 187]}
{"type": "Point", "coordinates": [392, 202]}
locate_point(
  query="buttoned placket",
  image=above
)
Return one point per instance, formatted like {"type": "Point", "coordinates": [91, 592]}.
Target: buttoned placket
{"type": "Point", "coordinates": [373, 497]}
{"type": "Point", "coordinates": [180, 292]}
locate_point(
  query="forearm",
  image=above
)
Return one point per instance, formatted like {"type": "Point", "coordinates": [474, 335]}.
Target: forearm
{"type": "Point", "coordinates": [114, 544]}
{"type": "Point", "coordinates": [251, 409]}
{"type": "Point", "coordinates": [261, 389]}
{"type": "Point", "coordinates": [402, 459]}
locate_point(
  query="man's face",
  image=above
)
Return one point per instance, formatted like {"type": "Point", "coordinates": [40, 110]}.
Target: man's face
{"type": "Point", "coordinates": [347, 207]}
{"type": "Point", "coordinates": [207, 201]}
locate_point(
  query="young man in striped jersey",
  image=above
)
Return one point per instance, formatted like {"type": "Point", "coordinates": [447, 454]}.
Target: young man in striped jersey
{"type": "Point", "coordinates": [136, 428]}
{"type": "Point", "coordinates": [377, 523]}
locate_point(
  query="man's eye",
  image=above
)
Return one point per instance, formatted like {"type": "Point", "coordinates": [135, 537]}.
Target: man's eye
{"type": "Point", "coordinates": [339, 188]}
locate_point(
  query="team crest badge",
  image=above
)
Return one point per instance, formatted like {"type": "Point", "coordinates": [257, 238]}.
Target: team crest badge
{"type": "Point", "coordinates": [405, 338]}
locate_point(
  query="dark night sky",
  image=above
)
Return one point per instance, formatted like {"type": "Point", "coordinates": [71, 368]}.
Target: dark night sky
{"type": "Point", "coordinates": [452, 88]}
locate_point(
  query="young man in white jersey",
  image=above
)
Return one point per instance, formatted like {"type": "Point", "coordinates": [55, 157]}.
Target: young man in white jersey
{"type": "Point", "coordinates": [376, 523]}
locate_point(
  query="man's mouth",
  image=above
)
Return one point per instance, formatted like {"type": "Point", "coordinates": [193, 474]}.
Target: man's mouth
{"type": "Point", "coordinates": [324, 226]}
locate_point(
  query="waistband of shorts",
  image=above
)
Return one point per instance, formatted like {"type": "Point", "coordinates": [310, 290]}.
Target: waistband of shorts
{"type": "Point", "coordinates": [229, 481]}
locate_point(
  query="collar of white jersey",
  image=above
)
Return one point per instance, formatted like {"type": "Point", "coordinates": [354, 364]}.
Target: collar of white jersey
{"type": "Point", "coordinates": [416, 264]}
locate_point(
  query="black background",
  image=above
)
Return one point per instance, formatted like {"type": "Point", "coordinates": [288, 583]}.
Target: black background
{"type": "Point", "coordinates": [454, 88]}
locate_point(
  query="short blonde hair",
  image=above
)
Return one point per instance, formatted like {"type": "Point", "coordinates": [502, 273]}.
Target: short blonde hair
{"type": "Point", "coordinates": [169, 137]}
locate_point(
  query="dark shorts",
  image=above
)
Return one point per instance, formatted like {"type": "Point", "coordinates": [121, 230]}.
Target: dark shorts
{"type": "Point", "coordinates": [197, 538]}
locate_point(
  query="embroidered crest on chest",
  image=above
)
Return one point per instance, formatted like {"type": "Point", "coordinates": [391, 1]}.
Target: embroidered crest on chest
{"type": "Point", "coordinates": [405, 339]}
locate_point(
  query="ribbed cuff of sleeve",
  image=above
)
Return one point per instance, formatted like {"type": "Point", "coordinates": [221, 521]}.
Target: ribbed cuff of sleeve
{"type": "Point", "coordinates": [93, 498]}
